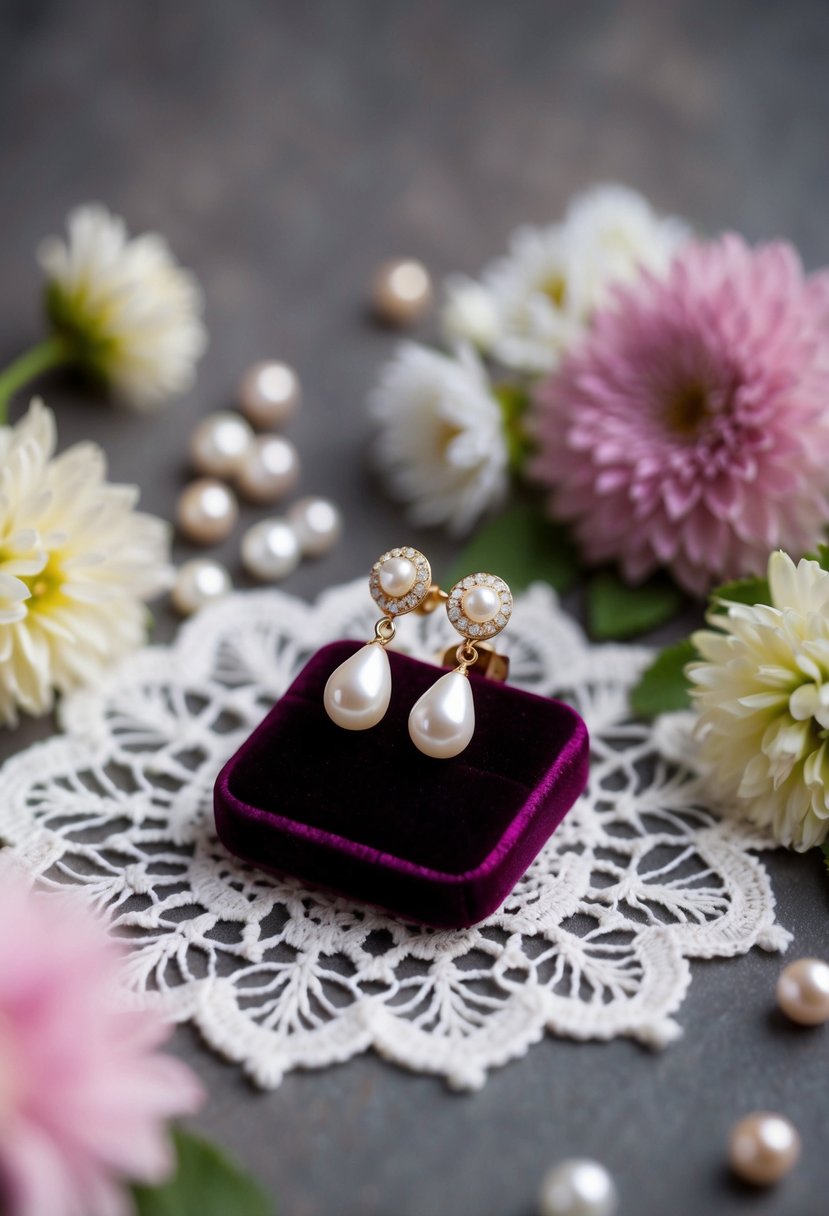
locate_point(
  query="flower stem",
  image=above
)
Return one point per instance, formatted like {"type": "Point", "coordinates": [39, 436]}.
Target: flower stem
{"type": "Point", "coordinates": [51, 352]}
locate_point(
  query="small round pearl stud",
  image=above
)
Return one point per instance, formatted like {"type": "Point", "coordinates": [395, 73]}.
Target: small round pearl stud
{"type": "Point", "coordinates": [401, 292]}
{"type": "Point", "coordinates": [269, 394]}
{"type": "Point", "coordinates": [763, 1148]}
{"type": "Point", "coordinates": [207, 511]}
{"type": "Point", "coordinates": [270, 550]}
{"type": "Point", "coordinates": [198, 583]}
{"type": "Point", "coordinates": [803, 991]}
{"type": "Point", "coordinates": [317, 523]}
{"type": "Point", "coordinates": [219, 443]}
{"type": "Point", "coordinates": [578, 1187]}
{"type": "Point", "coordinates": [268, 470]}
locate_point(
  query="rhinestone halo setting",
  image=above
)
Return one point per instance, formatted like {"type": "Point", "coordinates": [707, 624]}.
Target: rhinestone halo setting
{"type": "Point", "coordinates": [480, 631]}
{"type": "Point", "coordinates": [393, 606]}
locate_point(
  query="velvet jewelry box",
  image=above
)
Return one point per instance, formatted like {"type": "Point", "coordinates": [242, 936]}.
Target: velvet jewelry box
{"type": "Point", "coordinates": [367, 815]}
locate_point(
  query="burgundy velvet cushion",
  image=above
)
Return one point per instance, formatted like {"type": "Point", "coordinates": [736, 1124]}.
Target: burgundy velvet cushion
{"type": "Point", "coordinates": [365, 814]}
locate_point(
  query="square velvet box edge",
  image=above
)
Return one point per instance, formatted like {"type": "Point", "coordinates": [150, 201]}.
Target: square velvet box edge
{"type": "Point", "coordinates": [396, 884]}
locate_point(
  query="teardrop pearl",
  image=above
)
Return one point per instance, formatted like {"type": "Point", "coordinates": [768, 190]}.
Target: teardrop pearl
{"type": "Point", "coordinates": [358, 692]}
{"type": "Point", "coordinates": [442, 721]}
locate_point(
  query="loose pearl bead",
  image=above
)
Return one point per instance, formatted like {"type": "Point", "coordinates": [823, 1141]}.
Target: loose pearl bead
{"type": "Point", "coordinates": [269, 394]}
{"type": "Point", "coordinates": [442, 721]}
{"type": "Point", "coordinates": [397, 576]}
{"type": "Point", "coordinates": [218, 443]}
{"type": "Point", "coordinates": [269, 469]}
{"type": "Point", "coordinates": [401, 291]}
{"type": "Point", "coordinates": [317, 523]}
{"type": "Point", "coordinates": [207, 511]}
{"type": "Point", "coordinates": [763, 1148]}
{"type": "Point", "coordinates": [578, 1188]}
{"type": "Point", "coordinates": [270, 550]}
{"type": "Point", "coordinates": [198, 583]}
{"type": "Point", "coordinates": [481, 604]}
{"type": "Point", "coordinates": [358, 692]}
{"type": "Point", "coordinates": [803, 991]}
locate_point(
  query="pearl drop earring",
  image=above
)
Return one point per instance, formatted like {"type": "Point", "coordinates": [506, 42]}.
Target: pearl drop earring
{"type": "Point", "coordinates": [442, 721]}
{"type": "Point", "coordinates": [358, 692]}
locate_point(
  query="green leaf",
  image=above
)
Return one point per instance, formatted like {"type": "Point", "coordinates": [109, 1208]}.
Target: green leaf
{"type": "Point", "coordinates": [514, 401]}
{"type": "Point", "coordinates": [616, 610]}
{"type": "Point", "coordinates": [206, 1183]}
{"type": "Point", "coordinates": [741, 591]}
{"type": "Point", "coordinates": [664, 687]}
{"type": "Point", "coordinates": [521, 546]}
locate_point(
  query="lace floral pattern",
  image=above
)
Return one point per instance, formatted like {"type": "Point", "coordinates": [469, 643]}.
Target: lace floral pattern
{"type": "Point", "coordinates": [594, 942]}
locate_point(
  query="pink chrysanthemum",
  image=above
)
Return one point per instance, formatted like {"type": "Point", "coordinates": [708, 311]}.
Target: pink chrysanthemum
{"type": "Point", "coordinates": [690, 428]}
{"type": "Point", "coordinates": [84, 1095]}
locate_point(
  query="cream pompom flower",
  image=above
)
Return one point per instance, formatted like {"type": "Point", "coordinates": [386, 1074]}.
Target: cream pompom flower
{"type": "Point", "coordinates": [122, 308]}
{"type": "Point", "coordinates": [76, 563]}
{"type": "Point", "coordinates": [762, 691]}
{"type": "Point", "coordinates": [441, 443]}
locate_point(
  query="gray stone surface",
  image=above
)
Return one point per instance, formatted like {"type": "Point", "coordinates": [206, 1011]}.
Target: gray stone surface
{"type": "Point", "coordinates": [285, 149]}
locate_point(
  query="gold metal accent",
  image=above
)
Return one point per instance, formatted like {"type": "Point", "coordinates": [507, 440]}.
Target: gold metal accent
{"type": "Point", "coordinates": [490, 663]}
{"type": "Point", "coordinates": [384, 631]}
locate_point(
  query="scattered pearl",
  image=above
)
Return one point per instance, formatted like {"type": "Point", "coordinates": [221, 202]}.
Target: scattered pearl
{"type": "Point", "coordinates": [269, 469]}
{"type": "Point", "coordinates": [442, 721]}
{"type": "Point", "coordinates": [199, 582]}
{"type": "Point", "coordinates": [317, 523]}
{"type": "Point", "coordinates": [269, 394]}
{"type": "Point", "coordinates": [218, 443]}
{"type": "Point", "coordinates": [578, 1187]}
{"type": "Point", "coordinates": [358, 692]}
{"type": "Point", "coordinates": [270, 550]}
{"type": "Point", "coordinates": [401, 291]}
{"type": "Point", "coordinates": [803, 991]}
{"type": "Point", "coordinates": [397, 576]}
{"type": "Point", "coordinates": [481, 603]}
{"type": "Point", "coordinates": [763, 1148]}
{"type": "Point", "coordinates": [207, 511]}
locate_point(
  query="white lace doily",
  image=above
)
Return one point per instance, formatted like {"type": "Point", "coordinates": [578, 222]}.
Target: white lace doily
{"type": "Point", "coordinates": [594, 942]}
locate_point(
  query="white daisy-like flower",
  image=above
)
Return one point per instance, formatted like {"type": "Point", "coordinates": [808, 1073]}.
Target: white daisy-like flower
{"type": "Point", "coordinates": [441, 444]}
{"type": "Point", "coordinates": [76, 563]}
{"type": "Point", "coordinates": [762, 691]}
{"type": "Point", "coordinates": [617, 233]}
{"type": "Point", "coordinates": [469, 313]}
{"type": "Point", "coordinates": [128, 313]}
{"type": "Point", "coordinates": [541, 295]}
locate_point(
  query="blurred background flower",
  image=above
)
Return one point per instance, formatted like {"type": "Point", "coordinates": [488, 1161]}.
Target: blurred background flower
{"type": "Point", "coordinates": [532, 304]}
{"type": "Point", "coordinates": [689, 429]}
{"type": "Point", "coordinates": [77, 562]}
{"type": "Point", "coordinates": [120, 309]}
{"type": "Point", "coordinates": [85, 1095]}
{"type": "Point", "coordinates": [762, 691]}
{"type": "Point", "coordinates": [440, 444]}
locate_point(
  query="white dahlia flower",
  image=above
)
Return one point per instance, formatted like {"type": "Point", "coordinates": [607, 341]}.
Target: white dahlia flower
{"type": "Point", "coordinates": [125, 310]}
{"type": "Point", "coordinates": [440, 444]}
{"type": "Point", "coordinates": [76, 563]}
{"type": "Point", "coordinates": [762, 691]}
